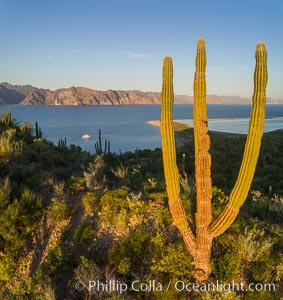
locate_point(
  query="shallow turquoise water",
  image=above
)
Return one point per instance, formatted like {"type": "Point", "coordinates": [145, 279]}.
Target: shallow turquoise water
{"type": "Point", "coordinates": [237, 126]}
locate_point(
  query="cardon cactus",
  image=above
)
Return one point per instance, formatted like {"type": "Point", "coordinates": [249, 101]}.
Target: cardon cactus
{"type": "Point", "coordinates": [199, 243]}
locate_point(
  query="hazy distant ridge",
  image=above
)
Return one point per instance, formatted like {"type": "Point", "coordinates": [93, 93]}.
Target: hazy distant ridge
{"type": "Point", "coordinates": [29, 95]}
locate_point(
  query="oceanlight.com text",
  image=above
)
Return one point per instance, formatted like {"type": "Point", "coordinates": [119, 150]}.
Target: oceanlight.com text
{"type": "Point", "coordinates": [224, 287]}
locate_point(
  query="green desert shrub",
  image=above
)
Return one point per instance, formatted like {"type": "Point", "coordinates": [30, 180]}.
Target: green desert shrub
{"type": "Point", "coordinates": [58, 189]}
{"type": "Point", "coordinates": [26, 132]}
{"type": "Point", "coordinates": [11, 237]}
{"type": "Point", "coordinates": [132, 255]}
{"type": "Point", "coordinates": [217, 295]}
{"type": "Point", "coordinates": [261, 295]}
{"type": "Point", "coordinates": [262, 271]}
{"type": "Point", "coordinates": [114, 206]}
{"type": "Point", "coordinates": [76, 185]}
{"type": "Point", "coordinates": [279, 272]}
{"type": "Point", "coordinates": [267, 206]}
{"type": "Point", "coordinates": [219, 200]}
{"type": "Point", "coordinates": [58, 210]}
{"type": "Point", "coordinates": [56, 263]}
{"type": "Point", "coordinates": [137, 208]}
{"type": "Point", "coordinates": [171, 259]}
{"type": "Point", "coordinates": [91, 202]}
{"type": "Point", "coordinates": [9, 147]}
{"type": "Point", "coordinates": [121, 208]}
{"type": "Point", "coordinates": [189, 205]}
{"type": "Point", "coordinates": [86, 271]}
{"type": "Point", "coordinates": [150, 184]}
{"type": "Point", "coordinates": [18, 221]}
{"type": "Point", "coordinates": [31, 208]}
{"type": "Point", "coordinates": [163, 217]}
{"type": "Point", "coordinates": [227, 265]}
{"type": "Point", "coordinates": [157, 209]}
{"type": "Point", "coordinates": [83, 233]}
{"type": "Point", "coordinates": [94, 175]}
{"type": "Point", "coordinates": [6, 120]}
{"type": "Point", "coordinates": [121, 172]}
{"type": "Point", "coordinates": [255, 245]}
{"type": "Point", "coordinates": [5, 189]}
{"type": "Point", "coordinates": [7, 267]}
{"type": "Point", "coordinates": [26, 290]}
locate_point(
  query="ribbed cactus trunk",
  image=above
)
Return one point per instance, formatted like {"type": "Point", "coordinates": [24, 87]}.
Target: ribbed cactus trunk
{"type": "Point", "coordinates": [199, 243]}
{"type": "Point", "coordinates": [202, 168]}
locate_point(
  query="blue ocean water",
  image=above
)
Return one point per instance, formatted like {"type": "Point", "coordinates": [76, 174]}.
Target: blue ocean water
{"type": "Point", "coordinates": [126, 126]}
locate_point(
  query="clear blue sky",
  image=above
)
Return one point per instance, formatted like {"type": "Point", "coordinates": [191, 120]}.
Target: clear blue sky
{"type": "Point", "coordinates": [120, 44]}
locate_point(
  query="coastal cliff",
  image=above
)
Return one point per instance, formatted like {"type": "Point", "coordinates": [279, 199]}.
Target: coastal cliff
{"type": "Point", "coordinates": [30, 95]}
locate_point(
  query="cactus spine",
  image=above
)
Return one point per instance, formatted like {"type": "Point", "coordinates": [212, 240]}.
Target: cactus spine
{"type": "Point", "coordinates": [199, 244]}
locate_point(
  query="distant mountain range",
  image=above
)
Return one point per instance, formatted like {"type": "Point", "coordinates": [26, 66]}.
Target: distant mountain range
{"type": "Point", "coordinates": [30, 95]}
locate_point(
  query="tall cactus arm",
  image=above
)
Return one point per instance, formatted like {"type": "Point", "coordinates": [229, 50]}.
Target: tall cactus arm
{"type": "Point", "coordinates": [252, 147]}
{"type": "Point", "coordinates": [200, 112]}
{"type": "Point", "coordinates": [202, 166]}
{"type": "Point", "coordinates": [169, 157]}
{"type": "Point", "coordinates": [202, 140]}
{"type": "Point", "coordinates": [167, 131]}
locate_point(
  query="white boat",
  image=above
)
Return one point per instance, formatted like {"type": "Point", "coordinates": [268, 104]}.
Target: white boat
{"type": "Point", "coordinates": [86, 136]}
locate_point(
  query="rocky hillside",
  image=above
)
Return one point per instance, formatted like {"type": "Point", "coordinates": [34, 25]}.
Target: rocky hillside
{"type": "Point", "coordinates": [85, 96]}
{"type": "Point", "coordinates": [13, 94]}
{"type": "Point", "coordinates": [29, 95]}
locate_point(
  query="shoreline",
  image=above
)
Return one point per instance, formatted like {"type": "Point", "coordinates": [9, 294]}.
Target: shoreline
{"type": "Point", "coordinates": [218, 125]}
{"type": "Point", "coordinates": [156, 123]}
